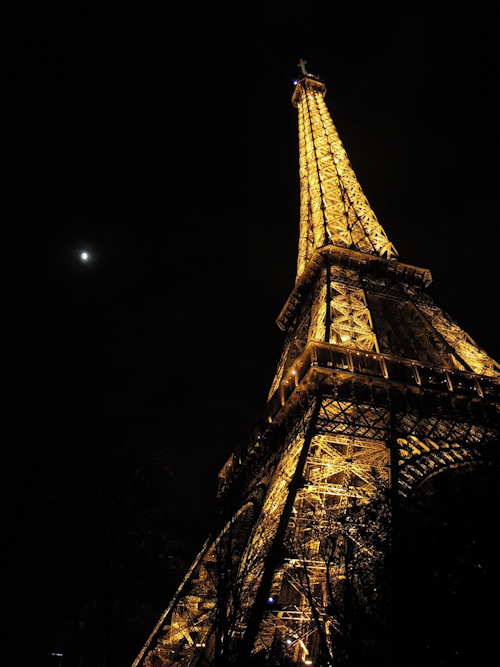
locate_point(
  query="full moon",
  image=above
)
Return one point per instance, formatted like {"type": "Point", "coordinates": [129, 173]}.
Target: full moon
{"type": "Point", "coordinates": [84, 256]}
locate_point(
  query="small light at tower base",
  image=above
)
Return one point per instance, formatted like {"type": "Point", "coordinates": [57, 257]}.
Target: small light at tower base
{"type": "Point", "coordinates": [270, 600]}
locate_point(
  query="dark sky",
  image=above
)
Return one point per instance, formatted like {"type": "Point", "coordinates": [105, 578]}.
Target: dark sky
{"type": "Point", "coordinates": [166, 145]}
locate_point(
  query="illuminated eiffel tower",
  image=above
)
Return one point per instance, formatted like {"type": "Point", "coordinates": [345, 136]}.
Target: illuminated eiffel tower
{"type": "Point", "coordinates": [377, 389]}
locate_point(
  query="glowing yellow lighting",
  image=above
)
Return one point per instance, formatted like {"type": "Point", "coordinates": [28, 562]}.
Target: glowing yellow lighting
{"type": "Point", "coordinates": [343, 281]}
{"type": "Point", "coordinates": [333, 207]}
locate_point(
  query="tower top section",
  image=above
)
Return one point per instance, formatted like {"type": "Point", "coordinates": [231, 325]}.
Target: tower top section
{"type": "Point", "coordinates": [333, 207]}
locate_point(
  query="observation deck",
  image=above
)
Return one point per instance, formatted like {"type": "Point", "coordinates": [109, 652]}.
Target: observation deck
{"type": "Point", "coordinates": [321, 362]}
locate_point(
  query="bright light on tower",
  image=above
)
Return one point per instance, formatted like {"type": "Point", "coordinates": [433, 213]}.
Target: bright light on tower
{"type": "Point", "coordinates": [84, 256]}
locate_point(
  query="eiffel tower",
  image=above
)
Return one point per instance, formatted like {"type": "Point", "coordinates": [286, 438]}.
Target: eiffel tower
{"type": "Point", "coordinates": [377, 390]}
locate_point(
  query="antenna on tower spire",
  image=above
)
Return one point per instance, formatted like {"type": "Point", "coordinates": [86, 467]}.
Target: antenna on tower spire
{"type": "Point", "coordinates": [304, 73]}
{"type": "Point", "coordinates": [302, 66]}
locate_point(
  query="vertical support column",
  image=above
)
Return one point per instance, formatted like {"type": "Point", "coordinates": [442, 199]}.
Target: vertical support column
{"type": "Point", "coordinates": [258, 607]}
{"type": "Point", "coordinates": [328, 316]}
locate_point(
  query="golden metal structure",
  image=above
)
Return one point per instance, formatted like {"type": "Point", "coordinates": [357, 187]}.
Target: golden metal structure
{"type": "Point", "coordinates": [377, 388]}
{"type": "Point", "coordinates": [333, 208]}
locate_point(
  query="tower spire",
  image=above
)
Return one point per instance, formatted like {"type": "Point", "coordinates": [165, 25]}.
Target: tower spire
{"type": "Point", "coordinates": [333, 207]}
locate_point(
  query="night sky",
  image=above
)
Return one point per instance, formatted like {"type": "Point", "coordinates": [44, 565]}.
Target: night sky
{"type": "Point", "coordinates": [166, 146]}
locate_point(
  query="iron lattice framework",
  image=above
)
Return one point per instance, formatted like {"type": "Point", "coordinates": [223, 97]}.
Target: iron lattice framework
{"type": "Point", "coordinates": [377, 389]}
{"type": "Point", "coordinates": [333, 208]}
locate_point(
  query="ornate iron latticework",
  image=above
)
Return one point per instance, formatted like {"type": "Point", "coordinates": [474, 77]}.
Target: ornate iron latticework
{"type": "Point", "coordinates": [333, 208]}
{"type": "Point", "coordinates": [377, 388]}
